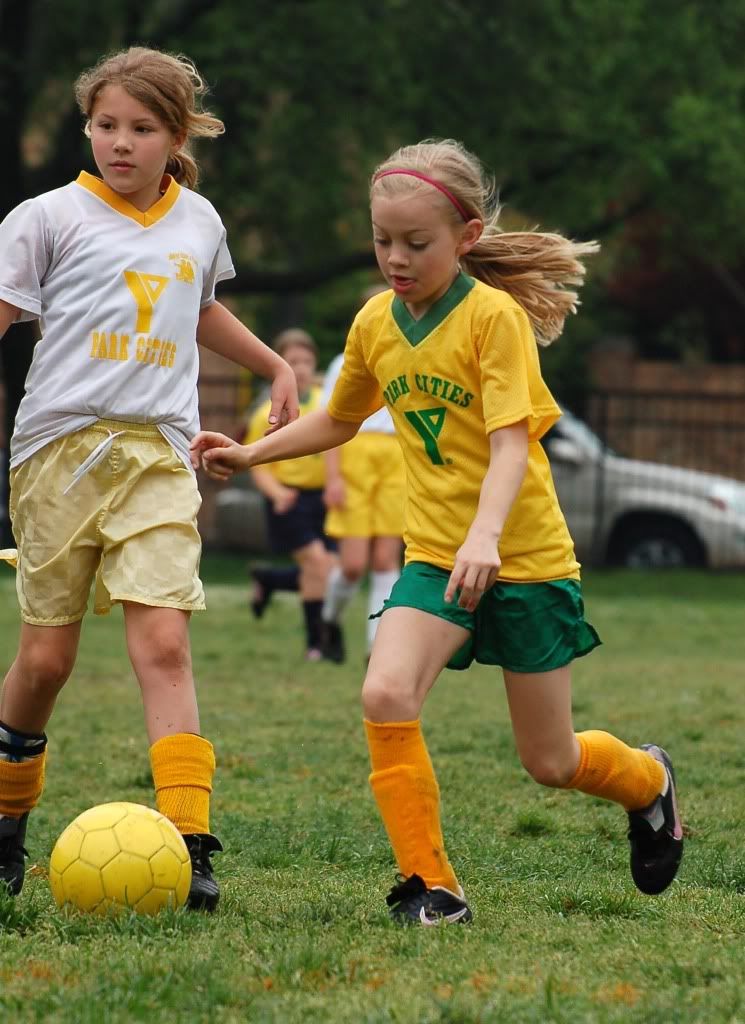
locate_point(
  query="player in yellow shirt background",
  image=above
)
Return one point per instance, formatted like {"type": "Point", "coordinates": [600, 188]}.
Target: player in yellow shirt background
{"type": "Point", "coordinates": [490, 569]}
{"type": "Point", "coordinates": [293, 494]}
{"type": "Point", "coordinates": [365, 496]}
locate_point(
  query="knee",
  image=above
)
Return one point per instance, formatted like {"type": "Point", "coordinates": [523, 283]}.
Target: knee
{"type": "Point", "coordinates": [549, 768]}
{"type": "Point", "coordinates": [385, 561]}
{"type": "Point", "coordinates": [384, 699]}
{"type": "Point", "coordinates": [315, 563]}
{"type": "Point", "coordinates": [46, 668]}
{"type": "Point", "coordinates": [164, 651]}
{"type": "Point", "coordinates": [353, 570]}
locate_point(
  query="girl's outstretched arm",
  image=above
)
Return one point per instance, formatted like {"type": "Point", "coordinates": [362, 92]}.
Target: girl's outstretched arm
{"type": "Point", "coordinates": [220, 456]}
{"type": "Point", "coordinates": [221, 332]}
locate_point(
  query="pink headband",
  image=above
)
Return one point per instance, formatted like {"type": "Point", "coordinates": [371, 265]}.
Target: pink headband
{"type": "Point", "coordinates": [430, 181]}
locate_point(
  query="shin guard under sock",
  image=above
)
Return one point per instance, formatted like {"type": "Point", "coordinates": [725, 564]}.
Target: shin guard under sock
{"type": "Point", "coordinates": [408, 797]}
{"type": "Point", "coordinates": [183, 766]}
{"type": "Point", "coordinates": [610, 769]}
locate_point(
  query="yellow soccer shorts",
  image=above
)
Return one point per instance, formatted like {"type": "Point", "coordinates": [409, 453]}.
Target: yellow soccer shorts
{"type": "Point", "coordinates": [372, 466]}
{"type": "Point", "coordinates": [129, 523]}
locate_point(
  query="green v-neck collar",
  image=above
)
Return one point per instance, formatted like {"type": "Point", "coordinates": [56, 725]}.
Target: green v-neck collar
{"type": "Point", "coordinates": [417, 330]}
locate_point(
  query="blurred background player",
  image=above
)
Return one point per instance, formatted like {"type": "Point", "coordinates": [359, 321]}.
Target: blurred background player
{"type": "Point", "coordinates": [293, 493]}
{"type": "Point", "coordinates": [365, 494]}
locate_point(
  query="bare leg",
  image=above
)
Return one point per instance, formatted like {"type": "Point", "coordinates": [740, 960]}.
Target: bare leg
{"type": "Point", "coordinates": [354, 555]}
{"type": "Point", "coordinates": [315, 563]}
{"type": "Point", "coordinates": [45, 659]}
{"type": "Point", "coordinates": [158, 646]}
{"type": "Point", "coordinates": [386, 554]}
{"type": "Point", "coordinates": [411, 649]}
{"type": "Point", "coordinates": [541, 710]}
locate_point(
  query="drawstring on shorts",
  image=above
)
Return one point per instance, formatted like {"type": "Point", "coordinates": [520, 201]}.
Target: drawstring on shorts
{"type": "Point", "coordinates": [97, 455]}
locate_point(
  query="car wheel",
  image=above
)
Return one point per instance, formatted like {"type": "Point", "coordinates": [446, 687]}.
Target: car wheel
{"type": "Point", "coordinates": [651, 543]}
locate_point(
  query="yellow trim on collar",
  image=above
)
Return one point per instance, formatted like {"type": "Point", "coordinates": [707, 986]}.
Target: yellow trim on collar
{"type": "Point", "coordinates": [117, 202]}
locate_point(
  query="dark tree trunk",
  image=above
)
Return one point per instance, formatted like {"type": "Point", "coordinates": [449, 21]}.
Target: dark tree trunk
{"type": "Point", "coordinates": [17, 347]}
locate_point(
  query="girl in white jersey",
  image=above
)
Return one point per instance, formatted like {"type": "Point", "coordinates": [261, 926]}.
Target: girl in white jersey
{"type": "Point", "coordinates": [490, 569]}
{"type": "Point", "coordinates": [121, 272]}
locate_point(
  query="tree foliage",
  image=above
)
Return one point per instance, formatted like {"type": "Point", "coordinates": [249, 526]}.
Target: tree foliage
{"type": "Point", "coordinates": [616, 119]}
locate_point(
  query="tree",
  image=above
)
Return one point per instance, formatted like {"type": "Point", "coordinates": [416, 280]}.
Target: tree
{"type": "Point", "coordinates": [616, 119]}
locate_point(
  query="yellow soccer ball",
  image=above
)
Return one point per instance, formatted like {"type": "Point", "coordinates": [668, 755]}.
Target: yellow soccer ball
{"type": "Point", "coordinates": [120, 855]}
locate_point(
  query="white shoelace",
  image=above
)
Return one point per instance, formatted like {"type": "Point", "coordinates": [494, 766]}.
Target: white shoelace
{"type": "Point", "coordinates": [99, 452]}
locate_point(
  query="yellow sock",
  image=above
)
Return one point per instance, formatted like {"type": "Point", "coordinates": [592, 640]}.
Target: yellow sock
{"type": "Point", "coordinates": [183, 766]}
{"type": "Point", "coordinates": [610, 769]}
{"type": "Point", "coordinates": [408, 798]}
{"type": "Point", "coordinates": [21, 783]}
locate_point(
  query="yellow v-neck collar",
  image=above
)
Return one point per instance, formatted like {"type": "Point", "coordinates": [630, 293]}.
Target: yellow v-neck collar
{"type": "Point", "coordinates": [117, 202]}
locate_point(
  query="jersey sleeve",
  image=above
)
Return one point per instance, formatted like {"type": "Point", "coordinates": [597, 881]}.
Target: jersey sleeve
{"type": "Point", "coordinates": [26, 248]}
{"type": "Point", "coordinates": [512, 387]}
{"type": "Point", "coordinates": [356, 394]}
{"type": "Point", "coordinates": [222, 268]}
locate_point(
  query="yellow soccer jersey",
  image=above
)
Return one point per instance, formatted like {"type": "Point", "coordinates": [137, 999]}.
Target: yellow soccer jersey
{"type": "Point", "coordinates": [308, 472]}
{"type": "Point", "coordinates": [466, 368]}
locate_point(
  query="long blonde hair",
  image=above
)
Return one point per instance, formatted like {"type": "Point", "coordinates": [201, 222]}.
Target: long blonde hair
{"type": "Point", "coordinates": [167, 84]}
{"type": "Point", "coordinates": [536, 268]}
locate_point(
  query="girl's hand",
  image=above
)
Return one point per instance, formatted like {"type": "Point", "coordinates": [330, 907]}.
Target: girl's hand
{"type": "Point", "coordinates": [334, 494]}
{"type": "Point", "coordinates": [219, 456]}
{"type": "Point", "coordinates": [476, 568]}
{"type": "Point", "coordinates": [285, 406]}
{"type": "Point", "coordinates": [284, 500]}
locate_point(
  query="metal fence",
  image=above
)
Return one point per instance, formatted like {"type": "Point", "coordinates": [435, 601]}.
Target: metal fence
{"type": "Point", "coordinates": [647, 479]}
{"type": "Point", "coordinates": [654, 478]}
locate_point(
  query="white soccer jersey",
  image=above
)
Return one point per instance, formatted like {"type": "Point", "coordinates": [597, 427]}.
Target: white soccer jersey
{"type": "Point", "coordinates": [118, 294]}
{"type": "Point", "coordinates": [379, 423]}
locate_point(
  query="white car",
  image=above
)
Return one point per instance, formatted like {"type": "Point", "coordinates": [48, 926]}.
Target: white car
{"type": "Point", "coordinates": [643, 514]}
{"type": "Point", "coordinates": [240, 517]}
{"type": "Point", "coordinates": [619, 511]}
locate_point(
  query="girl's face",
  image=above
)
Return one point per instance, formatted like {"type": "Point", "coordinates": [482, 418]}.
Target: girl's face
{"type": "Point", "coordinates": [418, 246]}
{"type": "Point", "coordinates": [303, 364]}
{"type": "Point", "coordinates": [131, 146]}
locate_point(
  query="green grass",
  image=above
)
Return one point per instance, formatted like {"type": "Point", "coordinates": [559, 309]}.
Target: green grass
{"type": "Point", "coordinates": [559, 933]}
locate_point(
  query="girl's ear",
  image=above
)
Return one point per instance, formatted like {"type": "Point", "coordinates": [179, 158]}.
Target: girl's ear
{"type": "Point", "coordinates": [470, 234]}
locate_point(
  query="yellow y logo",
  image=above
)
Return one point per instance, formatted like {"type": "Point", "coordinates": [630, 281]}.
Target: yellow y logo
{"type": "Point", "coordinates": [146, 289]}
{"type": "Point", "coordinates": [184, 271]}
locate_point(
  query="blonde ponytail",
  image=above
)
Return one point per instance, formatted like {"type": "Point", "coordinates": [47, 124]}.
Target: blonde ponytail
{"type": "Point", "coordinates": [537, 269]}
{"type": "Point", "coordinates": [541, 271]}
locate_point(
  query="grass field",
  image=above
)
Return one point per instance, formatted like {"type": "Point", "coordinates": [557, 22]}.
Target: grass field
{"type": "Point", "coordinates": [559, 932]}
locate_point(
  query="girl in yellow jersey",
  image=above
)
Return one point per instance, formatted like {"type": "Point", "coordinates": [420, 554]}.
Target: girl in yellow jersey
{"type": "Point", "coordinates": [490, 570]}
{"type": "Point", "coordinates": [293, 494]}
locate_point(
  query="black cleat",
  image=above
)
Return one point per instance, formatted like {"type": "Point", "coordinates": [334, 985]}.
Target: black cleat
{"type": "Point", "coordinates": [332, 642]}
{"type": "Point", "coordinates": [12, 853]}
{"type": "Point", "coordinates": [204, 892]}
{"type": "Point", "coordinates": [656, 835]}
{"type": "Point", "coordinates": [411, 902]}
